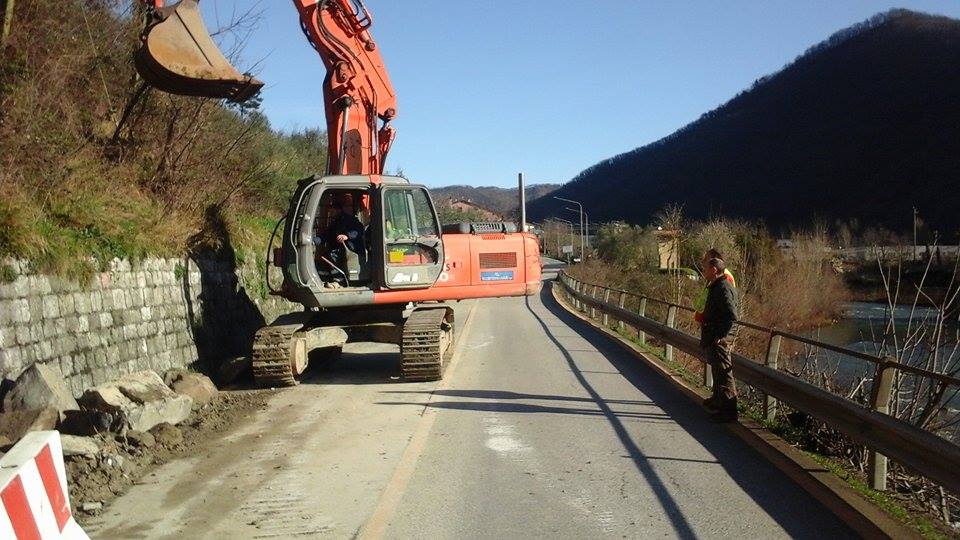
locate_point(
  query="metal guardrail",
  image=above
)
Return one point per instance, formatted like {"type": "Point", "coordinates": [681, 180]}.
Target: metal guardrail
{"type": "Point", "coordinates": [884, 435]}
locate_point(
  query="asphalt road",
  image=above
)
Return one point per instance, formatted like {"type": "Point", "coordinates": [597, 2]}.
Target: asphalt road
{"type": "Point", "coordinates": [541, 429]}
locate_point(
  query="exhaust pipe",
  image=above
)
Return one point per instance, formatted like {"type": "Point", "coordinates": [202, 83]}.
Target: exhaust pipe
{"type": "Point", "coordinates": [178, 56]}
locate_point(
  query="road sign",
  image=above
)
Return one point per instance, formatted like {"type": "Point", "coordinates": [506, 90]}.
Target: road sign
{"type": "Point", "coordinates": [566, 249]}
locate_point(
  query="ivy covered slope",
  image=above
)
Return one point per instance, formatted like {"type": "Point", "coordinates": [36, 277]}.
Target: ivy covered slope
{"type": "Point", "coordinates": [91, 168]}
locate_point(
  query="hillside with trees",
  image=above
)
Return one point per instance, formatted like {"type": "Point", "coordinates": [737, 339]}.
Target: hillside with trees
{"type": "Point", "coordinates": [503, 201]}
{"type": "Point", "coordinates": [864, 125]}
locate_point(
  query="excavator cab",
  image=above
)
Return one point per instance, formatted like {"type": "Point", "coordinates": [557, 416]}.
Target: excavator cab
{"type": "Point", "coordinates": [344, 235]}
{"type": "Point", "coordinates": [177, 55]}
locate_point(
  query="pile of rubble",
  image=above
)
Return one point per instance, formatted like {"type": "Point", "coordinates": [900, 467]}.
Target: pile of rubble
{"type": "Point", "coordinates": [114, 431]}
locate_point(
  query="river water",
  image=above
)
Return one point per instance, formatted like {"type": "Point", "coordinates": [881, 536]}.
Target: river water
{"type": "Point", "coordinates": [862, 327]}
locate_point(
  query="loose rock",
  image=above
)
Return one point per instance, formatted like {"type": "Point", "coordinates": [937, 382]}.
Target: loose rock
{"type": "Point", "coordinates": [15, 424]}
{"type": "Point", "coordinates": [91, 506]}
{"type": "Point", "coordinates": [199, 387]}
{"type": "Point", "coordinates": [140, 399]}
{"type": "Point", "coordinates": [79, 446]}
{"type": "Point", "coordinates": [172, 375]}
{"type": "Point", "coordinates": [39, 387]}
{"type": "Point", "coordinates": [141, 439]}
{"type": "Point", "coordinates": [167, 435]}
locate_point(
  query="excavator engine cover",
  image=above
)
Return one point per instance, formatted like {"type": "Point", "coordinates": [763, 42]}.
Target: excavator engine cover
{"type": "Point", "coordinates": [177, 55]}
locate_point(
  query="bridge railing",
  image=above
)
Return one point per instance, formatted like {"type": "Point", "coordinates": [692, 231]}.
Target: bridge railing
{"type": "Point", "coordinates": [884, 435]}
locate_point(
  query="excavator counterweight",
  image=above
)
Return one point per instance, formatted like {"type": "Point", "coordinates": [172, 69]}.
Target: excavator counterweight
{"type": "Point", "coordinates": [177, 55]}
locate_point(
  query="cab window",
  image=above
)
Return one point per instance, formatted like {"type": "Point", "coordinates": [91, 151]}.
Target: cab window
{"type": "Point", "coordinates": [409, 219]}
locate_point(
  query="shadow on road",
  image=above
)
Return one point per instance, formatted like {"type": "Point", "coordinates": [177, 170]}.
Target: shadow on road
{"type": "Point", "coordinates": [783, 500]}
{"type": "Point", "coordinates": [371, 364]}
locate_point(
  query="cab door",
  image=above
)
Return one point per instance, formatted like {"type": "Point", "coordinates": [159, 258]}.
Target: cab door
{"type": "Point", "coordinates": [412, 246]}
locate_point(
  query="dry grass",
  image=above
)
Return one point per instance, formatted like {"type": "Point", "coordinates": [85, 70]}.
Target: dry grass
{"type": "Point", "coordinates": [79, 188]}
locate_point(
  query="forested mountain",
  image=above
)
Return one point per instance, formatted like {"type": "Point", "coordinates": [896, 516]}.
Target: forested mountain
{"type": "Point", "coordinates": [864, 125]}
{"type": "Point", "coordinates": [503, 201]}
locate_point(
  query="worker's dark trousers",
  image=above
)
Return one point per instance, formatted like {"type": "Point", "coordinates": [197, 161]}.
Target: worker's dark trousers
{"type": "Point", "coordinates": [721, 363]}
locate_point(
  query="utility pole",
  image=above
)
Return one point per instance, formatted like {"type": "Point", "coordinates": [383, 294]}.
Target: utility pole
{"type": "Point", "coordinates": [523, 203]}
{"type": "Point", "coordinates": [582, 248]}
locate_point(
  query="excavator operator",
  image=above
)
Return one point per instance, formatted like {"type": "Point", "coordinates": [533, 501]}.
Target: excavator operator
{"type": "Point", "coordinates": [344, 231]}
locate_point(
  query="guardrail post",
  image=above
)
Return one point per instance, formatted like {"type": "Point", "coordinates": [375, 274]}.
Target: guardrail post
{"type": "Point", "coordinates": [671, 321]}
{"type": "Point", "coordinates": [593, 310]}
{"type": "Point", "coordinates": [620, 304]}
{"type": "Point", "coordinates": [641, 311]}
{"type": "Point", "coordinates": [576, 291]}
{"type": "Point", "coordinates": [606, 299]}
{"type": "Point", "coordinates": [880, 402]}
{"type": "Point", "coordinates": [773, 356]}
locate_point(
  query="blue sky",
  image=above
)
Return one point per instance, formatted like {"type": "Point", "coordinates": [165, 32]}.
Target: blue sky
{"type": "Point", "coordinates": [490, 88]}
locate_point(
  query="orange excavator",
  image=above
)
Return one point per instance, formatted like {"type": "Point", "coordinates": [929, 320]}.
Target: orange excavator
{"type": "Point", "coordinates": [364, 253]}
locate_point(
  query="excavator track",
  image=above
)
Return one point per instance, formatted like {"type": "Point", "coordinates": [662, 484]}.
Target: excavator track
{"type": "Point", "coordinates": [427, 344]}
{"type": "Point", "coordinates": [278, 356]}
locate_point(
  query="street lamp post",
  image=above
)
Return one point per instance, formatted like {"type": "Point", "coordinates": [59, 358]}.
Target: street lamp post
{"type": "Point", "coordinates": [582, 249]}
{"type": "Point", "coordinates": [586, 224]}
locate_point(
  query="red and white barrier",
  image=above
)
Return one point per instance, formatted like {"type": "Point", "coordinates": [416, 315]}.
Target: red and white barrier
{"type": "Point", "coordinates": [33, 490]}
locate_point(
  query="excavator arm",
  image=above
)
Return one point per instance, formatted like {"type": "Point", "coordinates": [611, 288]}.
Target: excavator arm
{"type": "Point", "coordinates": [177, 55]}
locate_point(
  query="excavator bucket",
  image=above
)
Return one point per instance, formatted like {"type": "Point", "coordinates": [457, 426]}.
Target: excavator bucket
{"type": "Point", "coordinates": [177, 55]}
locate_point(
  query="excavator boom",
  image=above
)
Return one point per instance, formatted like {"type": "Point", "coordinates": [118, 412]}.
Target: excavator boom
{"type": "Point", "coordinates": [177, 55]}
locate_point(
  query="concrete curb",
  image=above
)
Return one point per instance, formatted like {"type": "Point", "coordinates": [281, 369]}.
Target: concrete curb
{"type": "Point", "coordinates": [860, 514]}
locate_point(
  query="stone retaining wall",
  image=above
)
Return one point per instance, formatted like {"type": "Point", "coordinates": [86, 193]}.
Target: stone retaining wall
{"type": "Point", "coordinates": [154, 314]}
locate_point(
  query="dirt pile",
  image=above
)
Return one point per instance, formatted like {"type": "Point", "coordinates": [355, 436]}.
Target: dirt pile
{"type": "Point", "coordinates": [96, 480]}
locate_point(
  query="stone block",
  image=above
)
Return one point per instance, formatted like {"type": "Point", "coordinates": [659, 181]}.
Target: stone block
{"type": "Point", "coordinates": [39, 387]}
{"type": "Point", "coordinates": [81, 301]}
{"type": "Point", "coordinates": [8, 337]}
{"type": "Point", "coordinates": [72, 322]}
{"type": "Point", "coordinates": [20, 311]}
{"type": "Point", "coordinates": [67, 306]}
{"type": "Point", "coordinates": [76, 386]}
{"type": "Point", "coordinates": [106, 320]}
{"type": "Point", "coordinates": [35, 304]}
{"type": "Point", "coordinates": [22, 334]}
{"type": "Point", "coordinates": [140, 399]}
{"type": "Point", "coordinates": [39, 285]}
{"type": "Point", "coordinates": [7, 291]}
{"type": "Point", "coordinates": [51, 307]}
{"type": "Point", "coordinates": [36, 332]}
{"type": "Point", "coordinates": [199, 387]}
{"type": "Point", "coordinates": [119, 299]}
{"type": "Point", "coordinates": [12, 360]}
{"type": "Point", "coordinates": [15, 424]}
{"type": "Point", "coordinates": [79, 446]}
{"type": "Point", "coordinates": [21, 287]}
{"type": "Point", "coordinates": [96, 301]}
{"type": "Point", "coordinates": [66, 367]}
